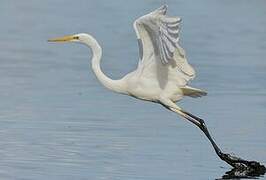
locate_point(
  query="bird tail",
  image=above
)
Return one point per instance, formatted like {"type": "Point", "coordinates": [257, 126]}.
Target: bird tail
{"type": "Point", "coordinates": [193, 92]}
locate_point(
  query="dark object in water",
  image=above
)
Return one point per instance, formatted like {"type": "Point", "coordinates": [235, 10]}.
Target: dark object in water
{"type": "Point", "coordinates": [253, 171]}
{"type": "Point", "coordinates": [242, 165]}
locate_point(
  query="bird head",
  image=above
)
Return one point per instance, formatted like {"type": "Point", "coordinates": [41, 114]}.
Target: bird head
{"type": "Point", "coordinates": [81, 38]}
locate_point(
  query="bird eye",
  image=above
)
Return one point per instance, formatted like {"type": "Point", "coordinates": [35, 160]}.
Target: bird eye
{"type": "Point", "coordinates": [75, 37]}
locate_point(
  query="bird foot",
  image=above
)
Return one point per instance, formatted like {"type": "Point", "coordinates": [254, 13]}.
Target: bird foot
{"type": "Point", "coordinates": [242, 168]}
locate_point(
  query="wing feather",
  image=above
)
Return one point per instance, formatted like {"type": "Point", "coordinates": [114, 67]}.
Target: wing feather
{"type": "Point", "coordinates": [158, 35]}
{"type": "Point", "coordinates": [169, 32]}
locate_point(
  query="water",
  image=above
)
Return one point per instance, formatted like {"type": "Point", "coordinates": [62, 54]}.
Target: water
{"type": "Point", "coordinates": [58, 122]}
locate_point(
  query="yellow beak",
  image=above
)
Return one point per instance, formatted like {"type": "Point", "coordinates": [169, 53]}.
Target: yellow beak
{"type": "Point", "coordinates": [62, 39]}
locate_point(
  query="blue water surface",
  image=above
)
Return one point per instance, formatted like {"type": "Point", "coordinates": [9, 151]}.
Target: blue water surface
{"type": "Point", "coordinates": [58, 123]}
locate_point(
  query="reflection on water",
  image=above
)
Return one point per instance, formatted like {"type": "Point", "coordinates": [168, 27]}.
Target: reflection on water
{"type": "Point", "coordinates": [58, 122]}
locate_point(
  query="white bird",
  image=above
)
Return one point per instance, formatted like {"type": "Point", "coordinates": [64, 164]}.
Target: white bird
{"type": "Point", "coordinates": [163, 72]}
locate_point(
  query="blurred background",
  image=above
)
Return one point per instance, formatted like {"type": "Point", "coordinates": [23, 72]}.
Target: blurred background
{"type": "Point", "coordinates": [58, 122]}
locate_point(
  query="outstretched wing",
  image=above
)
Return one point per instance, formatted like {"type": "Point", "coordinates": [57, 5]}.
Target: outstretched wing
{"type": "Point", "coordinates": [158, 37]}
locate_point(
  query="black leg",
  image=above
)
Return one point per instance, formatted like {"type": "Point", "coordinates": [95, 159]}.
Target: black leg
{"type": "Point", "coordinates": [234, 161]}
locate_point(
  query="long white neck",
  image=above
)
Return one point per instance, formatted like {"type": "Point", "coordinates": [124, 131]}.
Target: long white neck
{"type": "Point", "coordinates": [114, 85]}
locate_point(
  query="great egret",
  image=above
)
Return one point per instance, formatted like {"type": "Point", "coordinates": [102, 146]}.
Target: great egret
{"type": "Point", "coordinates": [162, 74]}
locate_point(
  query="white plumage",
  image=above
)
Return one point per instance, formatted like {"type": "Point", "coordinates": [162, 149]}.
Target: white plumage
{"type": "Point", "coordinates": [163, 71]}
